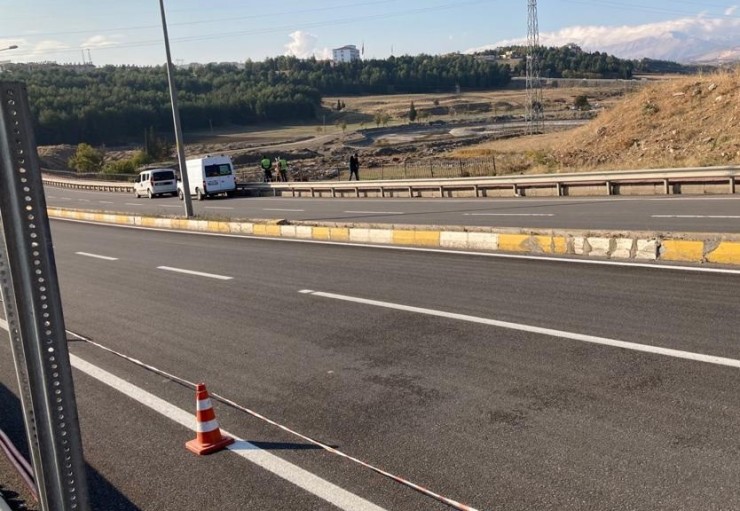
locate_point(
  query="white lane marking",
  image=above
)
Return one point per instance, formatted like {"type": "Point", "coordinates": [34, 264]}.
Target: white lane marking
{"type": "Point", "coordinates": [305, 480]}
{"type": "Point", "coordinates": [105, 202]}
{"type": "Point", "coordinates": [96, 256]}
{"type": "Point", "coordinates": [83, 200]}
{"type": "Point", "coordinates": [197, 273]}
{"type": "Point", "coordinates": [65, 198]}
{"type": "Point", "coordinates": [604, 341]}
{"type": "Point", "coordinates": [217, 207]}
{"type": "Point", "coordinates": [134, 204]}
{"type": "Point", "coordinates": [282, 209]}
{"type": "Point", "coordinates": [698, 216]}
{"type": "Point", "coordinates": [508, 214]}
{"type": "Point", "coordinates": [171, 206]}
{"type": "Point", "coordinates": [378, 212]}
{"type": "Point", "coordinates": [51, 197]}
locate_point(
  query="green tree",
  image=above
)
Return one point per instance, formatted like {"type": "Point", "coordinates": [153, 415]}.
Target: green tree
{"type": "Point", "coordinates": [412, 112]}
{"type": "Point", "coordinates": [87, 159]}
{"type": "Point", "coordinates": [581, 103]}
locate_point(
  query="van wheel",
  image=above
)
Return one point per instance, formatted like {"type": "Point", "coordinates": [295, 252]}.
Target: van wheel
{"type": "Point", "coordinates": [230, 194]}
{"type": "Point", "coordinates": [149, 194]}
{"type": "Point", "coordinates": [199, 194]}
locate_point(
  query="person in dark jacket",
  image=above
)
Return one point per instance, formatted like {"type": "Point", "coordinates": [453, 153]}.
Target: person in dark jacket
{"type": "Point", "coordinates": [354, 167]}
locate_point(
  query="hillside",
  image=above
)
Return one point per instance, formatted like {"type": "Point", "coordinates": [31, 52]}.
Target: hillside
{"type": "Point", "coordinates": [688, 121]}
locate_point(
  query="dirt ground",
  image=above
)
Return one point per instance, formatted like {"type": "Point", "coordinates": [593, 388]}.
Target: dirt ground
{"type": "Point", "coordinates": [672, 122]}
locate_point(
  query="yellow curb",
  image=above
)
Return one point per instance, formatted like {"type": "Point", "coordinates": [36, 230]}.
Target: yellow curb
{"type": "Point", "coordinates": [339, 234]}
{"type": "Point", "coordinates": [513, 242]}
{"type": "Point", "coordinates": [552, 244]}
{"type": "Point", "coordinates": [321, 233]}
{"type": "Point", "coordinates": [726, 253]}
{"type": "Point", "coordinates": [681, 250]}
{"type": "Point", "coordinates": [266, 230]}
{"type": "Point", "coordinates": [424, 238]}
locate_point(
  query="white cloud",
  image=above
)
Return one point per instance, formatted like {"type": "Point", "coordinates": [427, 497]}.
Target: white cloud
{"type": "Point", "coordinates": [303, 45]}
{"type": "Point", "coordinates": [101, 41]}
{"type": "Point", "coordinates": [48, 46]}
{"type": "Point", "coordinates": [731, 10]}
{"type": "Point", "coordinates": [712, 31]}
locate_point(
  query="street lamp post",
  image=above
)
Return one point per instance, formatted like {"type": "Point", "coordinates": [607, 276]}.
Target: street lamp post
{"type": "Point", "coordinates": [176, 118]}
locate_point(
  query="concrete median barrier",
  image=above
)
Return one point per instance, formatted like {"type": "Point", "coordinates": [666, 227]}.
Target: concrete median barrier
{"type": "Point", "coordinates": [637, 246]}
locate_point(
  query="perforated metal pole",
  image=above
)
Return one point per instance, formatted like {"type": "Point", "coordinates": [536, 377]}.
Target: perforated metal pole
{"type": "Point", "coordinates": [535, 113]}
{"type": "Point", "coordinates": [33, 309]}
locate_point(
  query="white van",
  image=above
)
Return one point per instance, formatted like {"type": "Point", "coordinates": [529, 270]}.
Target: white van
{"type": "Point", "coordinates": [154, 182]}
{"type": "Point", "coordinates": [210, 175]}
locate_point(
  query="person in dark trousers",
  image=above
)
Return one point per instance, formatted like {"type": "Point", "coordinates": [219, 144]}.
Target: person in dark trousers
{"type": "Point", "coordinates": [354, 167]}
{"type": "Point", "coordinates": [266, 165]}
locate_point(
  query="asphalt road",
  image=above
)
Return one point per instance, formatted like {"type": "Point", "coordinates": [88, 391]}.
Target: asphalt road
{"type": "Point", "coordinates": [675, 213]}
{"type": "Point", "coordinates": [427, 365]}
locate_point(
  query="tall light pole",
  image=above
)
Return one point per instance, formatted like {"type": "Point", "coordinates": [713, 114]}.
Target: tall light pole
{"type": "Point", "coordinates": [176, 118]}
{"type": "Point", "coordinates": [535, 114]}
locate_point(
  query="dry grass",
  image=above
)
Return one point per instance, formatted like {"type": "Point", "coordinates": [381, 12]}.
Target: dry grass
{"type": "Point", "coordinates": [683, 122]}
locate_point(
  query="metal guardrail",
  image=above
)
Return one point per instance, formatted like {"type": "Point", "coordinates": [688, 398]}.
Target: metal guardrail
{"type": "Point", "coordinates": [662, 181]}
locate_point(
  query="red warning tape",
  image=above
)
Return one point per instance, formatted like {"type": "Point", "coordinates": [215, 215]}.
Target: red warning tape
{"type": "Point", "coordinates": [450, 502]}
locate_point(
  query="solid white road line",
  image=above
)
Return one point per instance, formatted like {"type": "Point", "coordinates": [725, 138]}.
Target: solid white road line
{"type": "Point", "coordinates": [133, 204]}
{"type": "Point", "coordinates": [377, 212]}
{"type": "Point", "coordinates": [96, 256]}
{"type": "Point", "coordinates": [698, 357]}
{"type": "Point", "coordinates": [171, 206]}
{"type": "Point", "coordinates": [305, 480]}
{"type": "Point", "coordinates": [282, 209]}
{"type": "Point", "coordinates": [105, 202]}
{"type": "Point", "coordinates": [197, 273]}
{"type": "Point", "coordinates": [735, 217]}
{"type": "Point", "coordinates": [217, 207]}
{"type": "Point", "coordinates": [83, 200]}
{"type": "Point", "coordinates": [508, 214]}
{"type": "Point", "coordinates": [292, 473]}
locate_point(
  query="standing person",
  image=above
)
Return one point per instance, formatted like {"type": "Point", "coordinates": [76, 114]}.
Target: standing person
{"type": "Point", "coordinates": [354, 167]}
{"type": "Point", "coordinates": [266, 165]}
{"type": "Point", "coordinates": [276, 167]}
{"type": "Point", "coordinates": [284, 170]}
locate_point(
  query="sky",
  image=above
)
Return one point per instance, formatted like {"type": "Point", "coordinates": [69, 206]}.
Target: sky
{"type": "Point", "coordinates": [130, 32]}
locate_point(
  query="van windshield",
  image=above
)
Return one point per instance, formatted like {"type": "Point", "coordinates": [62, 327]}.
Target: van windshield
{"type": "Point", "coordinates": [224, 169]}
{"type": "Point", "coordinates": [165, 175]}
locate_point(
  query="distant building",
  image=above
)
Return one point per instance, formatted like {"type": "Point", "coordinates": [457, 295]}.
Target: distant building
{"type": "Point", "coordinates": [347, 53]}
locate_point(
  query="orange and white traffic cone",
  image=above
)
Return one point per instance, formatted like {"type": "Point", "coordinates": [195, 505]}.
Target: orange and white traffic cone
{"type": "Point", "coordinates": [208, 438]}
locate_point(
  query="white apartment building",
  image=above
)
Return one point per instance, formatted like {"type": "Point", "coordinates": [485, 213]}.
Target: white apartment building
{"type": "Point", "coordinates": [347, 53]}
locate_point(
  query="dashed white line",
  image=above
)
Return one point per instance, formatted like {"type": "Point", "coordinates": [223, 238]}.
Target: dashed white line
{"type": "Point", "coordinates": [508, 214]}
{"type": "Point", "coordinates": [105, 202]}
{"type": "Point", "coordinates": [170, 206]}
{"type": "Point", "coordinates": [97, 256]}
{"type": "Point", "coordinates": [687, 355]}
{"type": "Point", "coordinates": [217, 207]}
{"type": "Point", "coordinates": [83, 200]}
{"type": "Point", "coordinates": [282, 209]}
{"type": "Point", "coordinates": [134, 204]}
{"type": "Point", "coordinates": [734, 217]}
{"type": "Point", "coordinates": [196, 273]}
{"type": "Point", "coordinates": [378, 212]}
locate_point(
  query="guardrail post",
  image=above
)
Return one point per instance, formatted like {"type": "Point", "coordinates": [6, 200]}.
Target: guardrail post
{"type": "Point", "coordinates": [608, 187]}
{"type": "Point", "coordinates": [411, 192]}
{"type": "Point", "coordinates": [666, 187]}
{"type": "Point", "coordinates": [357, 192]}
{"type": "Point", "coordinates": [515, 188]}
{"type": "Point", "coordinates": [558, 190]}
{"type": "Point", "coordinates": [333, 192]}
{"type": "Point", "coordinates": [441, 191]}
{"type": "Point", "coordinates": [475, 188]}
{"type": "Point", "coordinates": [732, 185]}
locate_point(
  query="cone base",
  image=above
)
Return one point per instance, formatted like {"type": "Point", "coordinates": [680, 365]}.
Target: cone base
{"type": "Point", "coordinates": [203, 449]}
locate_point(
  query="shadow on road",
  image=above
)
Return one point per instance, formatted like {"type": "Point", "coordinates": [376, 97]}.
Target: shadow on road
{"type": "Point", "coordinates": [102, 494]}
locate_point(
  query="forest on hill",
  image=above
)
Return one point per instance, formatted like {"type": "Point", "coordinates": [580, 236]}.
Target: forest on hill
{"type": "Point", "coordinates": [115, 104]}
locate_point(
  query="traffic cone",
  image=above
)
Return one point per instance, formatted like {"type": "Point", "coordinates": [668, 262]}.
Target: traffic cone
{"type": "Point", "coordinates": [208, 438]}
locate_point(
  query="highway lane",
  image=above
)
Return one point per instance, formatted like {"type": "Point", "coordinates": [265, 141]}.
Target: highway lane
{"type": "Point", "coordinates": [675, 213]}
{"type": "Point", "coordinates": [497, 417]}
